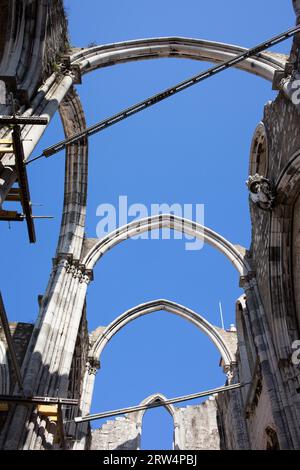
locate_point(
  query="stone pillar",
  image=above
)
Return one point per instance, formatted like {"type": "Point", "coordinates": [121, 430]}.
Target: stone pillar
{"type": "Point", "coordinates": [46, 369]}
{"type": "Point", "coordinates": [86, 401]}
{"type": "Point", "coordinates": [296, 5]}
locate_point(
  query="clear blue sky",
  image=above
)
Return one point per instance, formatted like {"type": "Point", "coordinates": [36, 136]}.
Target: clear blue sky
{"type": "Point", "coordinates": [192, 148]}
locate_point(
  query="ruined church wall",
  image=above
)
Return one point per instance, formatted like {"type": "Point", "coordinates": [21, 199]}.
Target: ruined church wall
{"type": "Point", "coordinates": [21, 334]}
{"type": "Point", "coordinates": [259, 420]}
{"type": "Point", "coordinates": [198, 427]}
{"type": "Point", "coordinates": [195, 428]}
{"type": "Point", "coordinates": [282, 123]}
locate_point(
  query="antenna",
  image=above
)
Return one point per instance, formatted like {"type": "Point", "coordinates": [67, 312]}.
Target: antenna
{"type": "Point", "coordinates": [221, 315]}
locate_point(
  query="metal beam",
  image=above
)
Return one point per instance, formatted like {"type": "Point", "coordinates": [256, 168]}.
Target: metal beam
{"type": "Point", "coordinates": [23, 120]}
{"type": "Point", "coordinates": [38, 400]}
{"type": "Point", "coordinates": [14, 195]}
{"type": "Point", "coordinates": [14, 216]}
{"type": "Point", "coordinates": [10, 344]}
{"type": "Point", "coordinates": [132, 409]}
{"type": "Point", "coordinates": [16, 146]}
{"type": "Point", "coordinates": [11, 216]}
{"type": "Point", "coordinates": [167, 93]}
{"type": "Point", "coordinates": [23, 181]}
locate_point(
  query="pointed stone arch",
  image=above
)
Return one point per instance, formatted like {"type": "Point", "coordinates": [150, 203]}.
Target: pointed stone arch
{"type": "Point", "coordinates": [216, 335]}
{"type": "Point", "coordinates": [155, 398]}
{"type": "Point", "coordinates": [93, 58]}
{"type": "Point", "coordinates": [139, 416]}
{"type": "Point", "coordinates": [100, 247]}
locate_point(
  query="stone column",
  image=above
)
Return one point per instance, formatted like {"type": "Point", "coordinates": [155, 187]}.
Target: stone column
{"type": "Point", "coordinates": [46, 369]}
{"type": "Point", "coordinates": [86, 401]}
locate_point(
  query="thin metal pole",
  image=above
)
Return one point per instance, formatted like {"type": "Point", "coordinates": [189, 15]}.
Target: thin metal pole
{"type": "Point", "coordinates": [167, 93]}
{"type": "Point", "coordinates": [221, 314]}
{"type": "Point", "coordinates": [21, 120]}
{"type": "Point", "coordinates": [132, 409]}
{"type": "Point", "coordinates": [11, 348]}
{"type": "Point", "coordinates": [39, 400]}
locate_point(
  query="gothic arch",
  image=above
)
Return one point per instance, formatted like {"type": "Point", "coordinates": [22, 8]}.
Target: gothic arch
{"type": "Point", "coordinates": [217, 335]}
{"type": "Point", "coordinates": [156, 397]}
{"type": "Point", "coordinates": [120, 322]}
{"type": "Point", "coordinates": [76, 178]}
{"type": "Point", "coordinates": [90, 59]}
{"type": "Point", "coordinates": [288, 183]}
{"type": "Point", "coordinates": [49, 96]}
{"type": "Point", "coordinates": [100, 247]}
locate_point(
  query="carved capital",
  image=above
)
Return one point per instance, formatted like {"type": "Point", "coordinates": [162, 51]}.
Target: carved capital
{"type": "Point", "coordinates": [62, 263]}
{"type": "Point", "coordinates": [86, 275]}
{"type": "Point", "coordinates": [246, 279]}
{"type": "Point", "coordinates": [72, 269]}
{"type": "Point", "coordinates": [63, 260]}
{"type": "Point", "coordinates": [230, 372]}
{"type": "Point", "coordinates": [72, 266]}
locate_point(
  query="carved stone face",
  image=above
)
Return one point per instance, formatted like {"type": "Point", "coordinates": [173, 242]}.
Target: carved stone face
{"type": "Point", "coordinates": [261, 191]}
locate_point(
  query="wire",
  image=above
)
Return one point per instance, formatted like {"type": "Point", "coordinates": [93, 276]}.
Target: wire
{"type": "Point", "coordinates": [166, 93]}
{"type": "Point", "coordinates": [35, 158]}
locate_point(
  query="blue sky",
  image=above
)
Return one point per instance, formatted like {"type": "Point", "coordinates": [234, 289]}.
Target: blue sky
{"type": "Point", "coordinates": [192, 149]}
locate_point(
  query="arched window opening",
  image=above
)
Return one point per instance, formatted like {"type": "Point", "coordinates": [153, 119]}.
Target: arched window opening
{"type": "Point", "coordinates": [259, 152]}
{"type": "Point", "coordinates": [248, 344]}
{"type": "Point", "coordinates": [272, 439]}
{"type": "Point", "coordinates": [247, 349]}
{"type": "Point", "coordinates": [157, 430]}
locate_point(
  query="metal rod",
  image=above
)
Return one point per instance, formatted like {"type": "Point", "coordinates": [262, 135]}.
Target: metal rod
{"type": "Point", "coordinates": [221, 314]}
{"type": "Point", "coordinates": [22, 120]}
{"type": "Point", "coordinates": [167, 93]}
{"type": "Point", "coordinates": [132, 409]}
{"type": "Point", "coordinates": [10, 344]}
{"type": "Point", "coordinates": [39, 400]}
